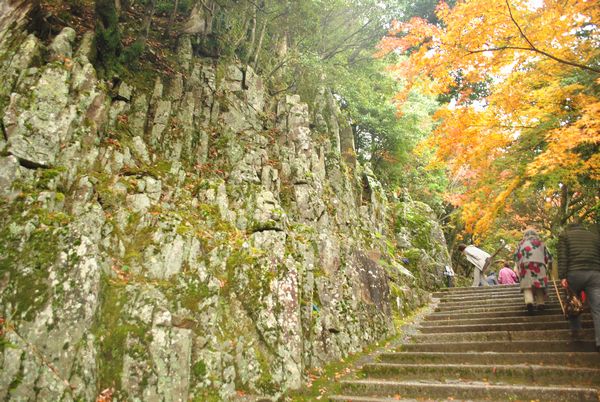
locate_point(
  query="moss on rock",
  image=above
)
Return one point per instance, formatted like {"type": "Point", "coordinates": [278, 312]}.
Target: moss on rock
{"type": "Point", "coordinates": [31, 240]}
{"type": "Point", "coordinates": [112, 331]}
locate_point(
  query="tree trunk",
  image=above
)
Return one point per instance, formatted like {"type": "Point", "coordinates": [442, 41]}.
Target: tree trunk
{"type": "Point", "coordinates": [172, 19]}
{"type": "Point", "coordinates": [252, 36]}
{"type": "Point", "coordinates": [259, 47]}
{"type": "Point", "coordinates": [132, 53]}
{"type": "Point", "coordinates": [108, 37]}
{"type": "Point", "coordinates": [201, 17]}
{"type": "Point", "coordinates": [149, 13]}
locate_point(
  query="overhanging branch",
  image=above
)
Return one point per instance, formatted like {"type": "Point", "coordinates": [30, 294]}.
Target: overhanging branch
{"type": "Point", "coordinates": [531, 48]}
{"type": "Point", "coordinates": [536, 50]}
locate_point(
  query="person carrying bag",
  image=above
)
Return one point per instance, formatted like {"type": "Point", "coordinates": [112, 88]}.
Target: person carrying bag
{"type": "Point", "coordinates": [579, 270]}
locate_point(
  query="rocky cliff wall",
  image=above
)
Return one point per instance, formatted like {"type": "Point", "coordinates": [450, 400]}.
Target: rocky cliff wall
{"type": "Point", "coordinates": [185, 242]}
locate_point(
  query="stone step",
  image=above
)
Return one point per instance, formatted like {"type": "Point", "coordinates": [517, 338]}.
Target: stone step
{"type": "Point", "coordinates": [490, 298]}
{"type": "Point", "coordinates": [492, 291]}
{"type": "Point", "coordinates": [468, 391]}
{"type": "Point", "coordinates": [515, 306]}
{"type": "Point", "coordinates": [354, 398]}
{"type": "Point", "coordinates": [503, 346]}
{"type": "Point", "coordinates": [515, 301]}
{"type": "Point", "coordinates": [495, 373]}
{"type": "Point", "coordinates": [487, 327]}
{"type": "Point", "coordinates": [449, 315]}
{"type": "Point", "coordinates": [498, 292]}
{"type": "Point", "coordinates": [396, 398]}
{"type": "Point", "coordinates": [567, 359]}
{"type": "Point", "coordinates": [481, 344]}
{"type": "Point", "coordinates": [502, 301]}
{"type": "Point", "coordinates": [506, 336]}
{"type": "Point", "coordinates": [492, 288]}
{"type": "Point", "coordinates": [499, 320]}
{"type": "Point", "coordinates": [481, 289]}
{"type": "Point", "coordinates": [489, 295]}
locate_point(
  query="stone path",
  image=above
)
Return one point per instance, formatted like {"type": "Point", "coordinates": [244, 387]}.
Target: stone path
{"type": "Point", "coordinates": [481, 344]}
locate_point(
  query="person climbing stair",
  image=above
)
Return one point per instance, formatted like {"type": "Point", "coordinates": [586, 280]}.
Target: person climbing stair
{"type": "Point", "coordinates": [579, 269]}
{"type": "Point", "coordinates": [532, 258]}
{"type": "Point", "coordinates": [477, 257]}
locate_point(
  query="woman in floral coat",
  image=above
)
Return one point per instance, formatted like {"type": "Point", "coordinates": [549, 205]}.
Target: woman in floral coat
{"type": "Point", "coordinates": [532, 258]}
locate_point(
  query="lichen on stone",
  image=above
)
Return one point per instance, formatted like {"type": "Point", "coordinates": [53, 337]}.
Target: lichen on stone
{"type": "Point", "coordinates": [189, 240]}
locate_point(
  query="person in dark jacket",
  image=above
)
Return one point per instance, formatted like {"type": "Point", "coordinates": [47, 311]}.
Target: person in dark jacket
{"type": "Point", "coordinates": [579, 269]}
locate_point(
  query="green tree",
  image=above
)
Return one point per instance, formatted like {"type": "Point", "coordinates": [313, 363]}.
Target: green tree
{"type": "Point", "coordinates": [108, 36]}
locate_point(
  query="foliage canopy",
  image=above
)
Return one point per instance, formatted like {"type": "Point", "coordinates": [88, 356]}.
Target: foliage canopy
{"type": "Point", "coordinates": [522, 121]}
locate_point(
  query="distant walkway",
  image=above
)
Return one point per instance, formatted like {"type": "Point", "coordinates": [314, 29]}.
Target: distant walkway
{"type": "Point", "coordinates": [480, 344]}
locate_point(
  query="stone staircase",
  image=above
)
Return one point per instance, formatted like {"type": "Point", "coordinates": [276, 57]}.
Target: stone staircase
{"type": "Point", "coordinates": [481, 344]}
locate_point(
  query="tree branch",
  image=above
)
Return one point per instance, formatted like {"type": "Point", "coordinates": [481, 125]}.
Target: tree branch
{"type": "Point", "coordinates": [517, 25]}
{"type": "Point", "coordinates": [534, 49]}
{"type": "Point", "coordinates": [497, 49]}
{"type": "Point", "coordinates": [283, 90]}
{"type": "Point", "coordinates": [334, 50]}
{"type": "Point", "coordinates": [280, 64]}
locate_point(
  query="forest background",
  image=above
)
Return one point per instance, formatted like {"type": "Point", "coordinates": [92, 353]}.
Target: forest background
{"type": "Point", "coordinates": [487, 111]}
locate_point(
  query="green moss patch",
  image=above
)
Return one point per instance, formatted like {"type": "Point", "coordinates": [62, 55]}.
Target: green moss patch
{"type": "Point", "coordinates": [112, 330]}
{"type": "Point", "coordinates": [185, 290]}
{"type": "Point", "coordinates": [265, 383]}
{"type": "Point", "coordinates": [27, 258]}
{"type": "Point", "coordinates": [249, 278]}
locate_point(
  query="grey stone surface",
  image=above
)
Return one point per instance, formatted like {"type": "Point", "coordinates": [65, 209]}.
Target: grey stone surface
{"type": "Point", "coordinates": [86, 46]}
{"type": "Point", "coordinates": [161, 119]}
{"type": "Point", "coordinates": [175, 88]}
{"type": "Point", "coordinates": [125, 92]}
{"type": "Point", "coordinates": [196, 243]}
{"type": "Point", "coordinates": [140, 149]}
{"type": "Point", "coordinates": [28, 53]}
{"type": "Point", "coordinates": [9, 171]}
{"type": "Point", "coordinates": [185, 52]}
{"type": "Point", "coordinates": [36, 126]}
{"type": "Point", "coordinates": [61, 46]}
{"type": "Point", "coordinates": [138, 202]}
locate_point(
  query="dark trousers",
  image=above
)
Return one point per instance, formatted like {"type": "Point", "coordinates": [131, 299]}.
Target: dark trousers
{"type": "Point", "coordinates": [589, 281]}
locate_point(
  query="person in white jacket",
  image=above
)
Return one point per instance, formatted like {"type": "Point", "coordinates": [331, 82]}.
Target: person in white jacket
{"type": "Point", "coordinates": [477, 257]}
{"type": "Point", "coordinates": [449, 274]}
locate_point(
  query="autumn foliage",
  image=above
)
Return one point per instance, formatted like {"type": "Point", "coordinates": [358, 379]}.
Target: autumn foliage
{"type": "Point", "coordinates": [521, 81]}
